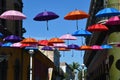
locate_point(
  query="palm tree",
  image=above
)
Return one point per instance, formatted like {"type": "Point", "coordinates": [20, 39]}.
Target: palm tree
{"type": "Point", "coordinates": [74, 66]}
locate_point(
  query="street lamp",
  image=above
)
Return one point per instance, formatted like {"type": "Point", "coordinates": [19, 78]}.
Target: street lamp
{"type": "Point", "coordinates": [82, 65]}
{"type": "Point", "coordinates": [31, 52]}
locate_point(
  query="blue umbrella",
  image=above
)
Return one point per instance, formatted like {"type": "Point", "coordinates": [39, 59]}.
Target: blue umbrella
{"type": "Point", "coordinates": [1, 35]}
{"type": "Point", "coordinates": [82, 33]}
{"type": "Point", "coordinates": [47, 48]}
{"type": "Point", "coordinates": [31, 48]}
{"type": "Point", "coordinates": [106, 46]}
{"type": "Point", "coordinates": [107, 12]}
{"type": "Point", "coordinates": [8, 44]}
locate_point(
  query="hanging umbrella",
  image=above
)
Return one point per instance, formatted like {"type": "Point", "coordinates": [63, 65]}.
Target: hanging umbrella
{"type": "Point", "coordinates": [82, 33]}
{"type": "Point", "coordinates": [12, 15]}
{"type": "Point", "coordinates": [47, 48]}
{"type": "Point", "coordinates": [56, 40]}
{"type": "Point", "coordinates": [44, 43]}
{"type": "Point", "coordinates": [114, 20]}
{"type": "Point", "coordinates": [59, 45]}
{"type": "Point", "coordinates": [106, 46]}
{"type": "Point", "coordinates": [96, 47]}
{"type": "Point", "coordinates": [68, 37]}
{"type": "Point", "coordinates": [45, 16]}
{"type": "Point", "coordinates": [63, 49]}
{"type": "Point", "coordinates": [97, 27]}
{"type": "Point", "coordinates": [8, 44]}
{"type": "Point", "coordinates": [29, 41]}
{"type": "Point", "coordinates": [18, 44]}
{"type": "Point", "coordinates": [85, 47]}
{"type": "Point", "coordinates": [12, 38]}
{"type": "Point", "coordinates": [31, 48]}
{"type": "Point", "coordinates": [107, 12]}
{"type": "Point", "coordinates": [73, 46]}
{"type": "Point", "coordinates": [1, 35]}
{"type": "Point", "coordinates": [76, 15]}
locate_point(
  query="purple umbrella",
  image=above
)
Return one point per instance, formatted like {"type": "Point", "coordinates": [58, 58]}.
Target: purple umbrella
{"type": "Point", "coordinates": [47, 48]}
{"type": "Point", "coordinates": [73, 46]}
{"type": "Point", "coordinates": [45, 16]}
{"type": "Point", "coordinates": [12, 38]}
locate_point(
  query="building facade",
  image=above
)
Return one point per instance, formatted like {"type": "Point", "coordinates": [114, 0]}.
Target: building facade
{"type": "Point", "coordinates": [11, 27]}
{"type": "Point", "coordinates": [102, 64]}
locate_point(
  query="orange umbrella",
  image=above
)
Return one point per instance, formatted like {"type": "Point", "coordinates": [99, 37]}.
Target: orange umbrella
{"type": "Point", "coordinates": [29, 41]}
{"type": "Point", "coordinates": [76, 15]}
{"type": "Point", "coordinates": [56, 40]}
{"type": "Point", "coordinates": [85, 47]}
{"type": "Point", "coordinates": [63, 49]}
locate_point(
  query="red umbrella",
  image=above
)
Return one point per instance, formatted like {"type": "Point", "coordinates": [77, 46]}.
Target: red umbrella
{"type": "Point", "coordinates": [12, 15]}
{"type": "Point", "coordinates": [97, 27]}
{"type": "Point", "coordinates": [76, 15]}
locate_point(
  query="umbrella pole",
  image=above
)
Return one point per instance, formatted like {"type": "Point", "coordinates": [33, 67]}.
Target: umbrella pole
{"type": "Point", "coordinates": [47, 25]}
{"type": "Point", "coordinates": [77, 24]}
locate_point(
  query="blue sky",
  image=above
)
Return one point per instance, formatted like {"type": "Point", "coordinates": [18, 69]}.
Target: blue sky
{"type": "Point", "coordinates": [57, 27]}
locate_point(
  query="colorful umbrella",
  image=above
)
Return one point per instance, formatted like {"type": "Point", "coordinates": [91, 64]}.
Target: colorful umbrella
{"type": "Point", "coordinates": [68, 37]}
{"type": "Point", "coordinates": [31, 48]}
{"type": "Point", "coordinates": [29, 41]}
{"type": "Point", "coordinates": [96, 47]}
{"type": "Point", "coordinates": [1, 35]}
{"type": "Point", "coordinates": [44, 43]}
{"type": "Point", "coordinates": [107, 12]}
{"type": "Point", "coordinates": [63, 49]}
{"type": "Point", "coordinates": [76, 15]}
{"type": "Point", "coordinates": [47, 48]}
{"type": "Point", "coordinates": [45, 16]}
{"type": "Point", "coordinates": [114, 20]}
{"type": "Point", "coordinates": [97, 27]}
{"type": "Point", "coordinates": [73, 46]}
{"type": "Point", "coordinates": [59, 45]}
{"type": "Point", "coordinates": [12, 15]}
{"type": "Point", "coordinates": [18, 44]}
{"type": "Point", "coordinates": [85, 47]}
{"type": "Point", "coordinates": [8, 44]}
{"type": "Point", "coordinates": [12, 38]}
{"type": "Point", "coordinates": [82, 33]}
{"type": "Point", "coordinates": [56, 40]}
{"type": "Point", "coordinates": [106, 46]}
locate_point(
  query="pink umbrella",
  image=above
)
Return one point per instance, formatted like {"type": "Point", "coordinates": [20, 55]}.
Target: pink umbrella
{"type": "Point", "coordinates": [96, 47]}
{"type": "Point", "coordinates": [12, 15]}
{"type": "Point", "coordinates": [59, 45]}
{"type": "Point", "coordinates": [115, 20]}
{"type": "Point", "coordinates": [18, 44]}
{"type": "Point", "coordinates": [67, 37]}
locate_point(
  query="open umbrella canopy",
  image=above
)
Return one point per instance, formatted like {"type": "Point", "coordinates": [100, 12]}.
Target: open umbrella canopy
{"type": "Point", "coordinates": [63, 49]}
{"type": "Point", "coordinates": [18, 44]}
{"type": "Point", "coordinates": [29, 41]}
{"type": "Point", "coordinates": [107, 12]}
{"type": "Point", "coordinates": [82, 33]}
{"type": "Point", "coordinates": [59, 45]}
{"type": "Point", "coordinates": [106, 46]}
{"type": "Point", "coordinates": [8, 44]}
{"type": "Point", "coordinates": [56, 40]}
{"type": "Point", "coordinates": [45, 16]}
{"type": "Point", "coordinates": [114, 20]}
{"type": "Point", "coordinates": [68, 37]}
{"type": "Point", "coordinates": [73, 46]}
{"type": "Point", "coordinates": [12, 38]}
{"type": "Point", "coordinates": [85, 47]}
{"type": "Point", "coordinates": [97, 27]}
{"type": "Point", "coordinates": [47, 48]}
{"type": "Point", "coordinates": [76, 15]}
{"type": "Point", "coordinates": [96, 47]}
{"type": "Point", "coordinates": [12, 15]}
